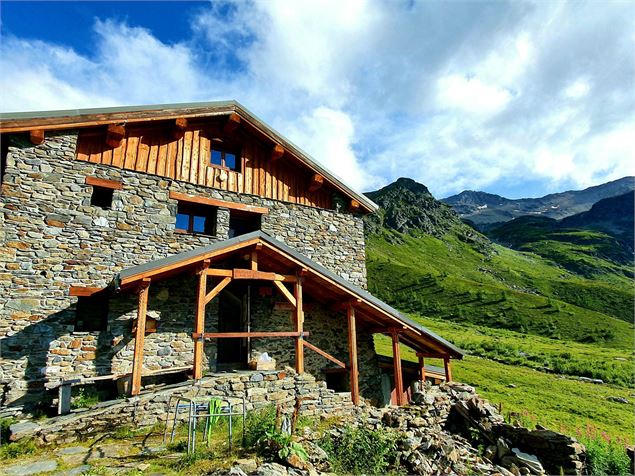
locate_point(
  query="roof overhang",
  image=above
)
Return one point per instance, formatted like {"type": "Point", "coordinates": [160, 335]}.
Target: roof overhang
{"type": "Point", "coordinates": [80, 118]}
{"type": "Point", "coordinates": [323, 284]}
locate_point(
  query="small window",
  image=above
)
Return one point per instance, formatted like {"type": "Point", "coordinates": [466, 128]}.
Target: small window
{"type": "Point", "coordinates": [101, 197]}
{"type": "Point", "coordinates": [192, 218]}
{"type": "Point", "coordinates": [229, 159]}
{"type": "Point", "coordinates": [241, 223]}
{"type": "Point", "coordinates": [91, 313]}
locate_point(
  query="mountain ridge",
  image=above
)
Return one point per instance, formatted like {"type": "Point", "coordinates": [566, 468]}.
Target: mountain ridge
{"type": "Point", "coordinates": [485, 209]}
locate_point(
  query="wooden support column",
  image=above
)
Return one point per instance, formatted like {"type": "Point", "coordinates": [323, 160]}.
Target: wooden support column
{"type": "Point", "coordinates": [396, 358]}
{"type": "Point", "coordinates": [137, 359]}
{"type": "Point", "coordinates": [299, 327]}
{"type": "Point", "coordinates": [422, 369]}
{"type": "Point", "coordinates": [448, 369]}
{"type": "Point", "coordinates": [199, 320]}
{"type": "Point", "coordinates": [352, 353]}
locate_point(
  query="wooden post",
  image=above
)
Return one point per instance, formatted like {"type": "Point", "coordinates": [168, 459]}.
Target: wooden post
{"type": "Point", "coordinates": [199, 321]}
{"type": "Point", "coordinates": [396, 358]}
{"type": "Point", "coordinates": [352, 352]}
{"type": "Point", "coordinates": [448, 369]}
{"type": "Point", "coordinates": [299, 327]}
{"type": "Point", "coordinates": [422, 370]}
{"type": "Point", "coordinates": [137, 359]}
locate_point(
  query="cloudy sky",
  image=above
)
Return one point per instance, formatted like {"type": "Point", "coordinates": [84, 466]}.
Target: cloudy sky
{"type": "Point", "coordinates": [519, 98]}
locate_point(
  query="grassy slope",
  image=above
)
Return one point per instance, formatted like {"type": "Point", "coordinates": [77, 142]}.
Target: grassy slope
{"type": "Point", "coordinates": [559, 403]}
{"type": "Point", "coordinates": [506, 289]}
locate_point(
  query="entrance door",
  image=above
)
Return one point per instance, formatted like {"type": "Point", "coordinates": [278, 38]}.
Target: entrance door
{"type": "Point", "coordinates": [232, 317]}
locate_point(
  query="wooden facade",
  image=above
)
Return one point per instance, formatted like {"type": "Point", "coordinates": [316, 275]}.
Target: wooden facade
{"type": "Point", "coordinates": [185, 154]}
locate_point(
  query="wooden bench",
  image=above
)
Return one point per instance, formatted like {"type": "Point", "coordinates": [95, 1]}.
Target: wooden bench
{"type": "Point", "coordinates": [65, 386]}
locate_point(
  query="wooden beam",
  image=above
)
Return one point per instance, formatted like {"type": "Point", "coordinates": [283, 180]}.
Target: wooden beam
{"type": "Point", "coordinates": [234, 335]}
{"type": "Point", "coordinates": [220, 272]}
{"type": "Point", "coordinates": [104, 183]}
{"type": "Point", "coordinates": [181, 123]}
{"type": "Point", "coordinates": [323, 354]}
{"type": "Point", "coordinates": [137, 359]}
{"type": "Point", "coordinates": [199, 321]}
{"type": "Point", "coordinates": [422, 369]}
{"type": "Point", "coordinates": [352, 353]}
{"type": "Point", "coordinates": [353, 205]}
{"type": "Point", "coordinates": [448, 369]}
{"type": "Point", "coordinates": [114, 135]}
{"type": "Point", "coordinates": [36, 136]}
{"type": "Point", "coordinates": [217, 289]}
{"type": "Point", "coordinates": [396, 359]}
{"type": "Point", "coordinates": [277, 152]}
{"type": "Point", "coordinates": [254, 257]}
{"type": "Point", "coordinates": [316, 182]}
{"type": "Point", "coordinates": [299, 327]}
{"type": "Point", "coordinates": [233, 122]}
{"type": "Point", "coordinates": [183, 197]}
{"type": "Point", "coordinates": [286, 293]}
{"type": "Point", "coordinates": [84, 291]}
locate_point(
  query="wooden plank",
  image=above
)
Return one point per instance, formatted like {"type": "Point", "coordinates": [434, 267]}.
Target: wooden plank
{"type": "Point", "coordinates": [220, 272]}
{"type": "Point", "coordinates": [286, 293]}
{"type": "Point", "coordinates": [186, 168]}
{"type": "Point", "coordinates": [422, 369]}
{"type": "Point", "coordinates": [299, 327]}
{"type": "Point", "coordinates": [194, 165]}
{"type": "Point", "coordinates": [36, 136]}
{"type": "Point", "coordinates": [94, 150]}
{"type": "Point", "coordinates": [396, 358]}
{"type": "Point", "coordinates": [170, 170]}
{"type": "Point", "coordinates": [232, 124]}
{"type": "Point", "coordinates": [84, 291]}
{"type": "Point", "coordinates": [323, 354]}
{"type": "Point", "coordinates": [217, 289]}
{"type": "Point", "coordinates": [352, 354]}
{"type": "Point", "coordinates": [114, 135]}
{"type": "Point", "coordinates": [143, 152]}
{"type": "Point", "coordinates": [248, 170]}
{"type": "Point", "coordinates": [137, 359]}
{"type": "Point", "coordinates": [162, 156]}
{"type": "Point", "coordinates": [106, 156]}
{"type": "Point", "coordinates": [81, 152]}
{"type": "Point", "coordinates": [250, 274]}
{"type": "Point", "coordinates": [131, 152]}
{"type": "Point", "coordinates": [154, 154]}
{"type": "Point", "coordinates": [217, 203]}
{"type": "Point", "coordinates": [204, 159]}
{"type": "Point", "coordinates": [199, 322]}
{"type": "Point", "coordinates": [105, 183]}
{"type": "Point", "coordinates": [255, 335]}
{"type": "Point", "coordinates": [448, 369]}
{"type": "Point", "coordinates": [119, 153]}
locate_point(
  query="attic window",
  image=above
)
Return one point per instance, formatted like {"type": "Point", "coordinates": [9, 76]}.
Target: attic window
{"type": "Point", "coordinates": [101, 197]}
{"type": "Point", "coordinates": [241, 223]}
{"type": "Point", "coordinates": [91, 313]}
{"type": "Point", "coordinates": [226, 158]}
{"type": "Point", "coordinates": [195, 218]}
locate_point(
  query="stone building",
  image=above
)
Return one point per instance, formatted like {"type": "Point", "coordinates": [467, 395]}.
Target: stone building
{"type": "Point", "coordinates": [183, 240]}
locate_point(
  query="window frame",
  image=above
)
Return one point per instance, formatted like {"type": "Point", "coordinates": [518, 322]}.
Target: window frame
{"type": "Point", "coordinates": [192, 210]}
{"type": "Point", "coordinates": [235, 151]}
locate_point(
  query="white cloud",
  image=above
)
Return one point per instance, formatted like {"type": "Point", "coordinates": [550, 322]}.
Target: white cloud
{"type": "Point", "coordinates": [454, 95]}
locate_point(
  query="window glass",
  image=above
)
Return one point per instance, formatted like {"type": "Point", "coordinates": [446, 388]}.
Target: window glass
{"type": "Point", "coordinates": [230, 160]}
{"type": "Point", "coordinates": [182, 221]}
{"type": "Point", "coordinates": [199, 225]}
{"type": "Point", "coordinates": [217, 157]}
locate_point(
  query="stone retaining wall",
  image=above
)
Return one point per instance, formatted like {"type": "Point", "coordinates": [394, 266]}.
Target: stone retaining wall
{"type": "Point", "coordinates": [52, 238]}
{"type": "Point", "coordinates": [260, 389]}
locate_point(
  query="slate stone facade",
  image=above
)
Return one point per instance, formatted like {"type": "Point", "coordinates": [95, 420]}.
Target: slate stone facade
{"type": "Point", "coordinates": [51, 237]}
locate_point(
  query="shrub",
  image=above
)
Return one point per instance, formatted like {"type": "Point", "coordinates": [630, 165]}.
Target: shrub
{"type": "Point", "coordinates": [605, 456]}
{"type": "Point", "coordinates": [276, 445]}
{"type": "Point", "coordinates": [361, 451]}
{"type": "Point", "coordinates": [258, 423]}
{"type": "Point", "coordinates": [15, 450]}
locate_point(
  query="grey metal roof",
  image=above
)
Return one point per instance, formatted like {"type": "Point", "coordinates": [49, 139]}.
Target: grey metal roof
{"type": "Point", "coordinates": [365, 295]}
{"type": "Point", "coordinates": [202, 109]}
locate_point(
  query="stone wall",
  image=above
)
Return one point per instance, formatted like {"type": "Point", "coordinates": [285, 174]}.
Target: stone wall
{"type": "Point", "coordinates": [52, 238]}
{"type": "Point", "coordinates": [260, 389]}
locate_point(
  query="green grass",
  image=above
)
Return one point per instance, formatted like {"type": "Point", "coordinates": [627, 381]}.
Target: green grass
{"type": "Point", "coordinates": [559, 403]}
{"type": "Point", "coordinates": [501, 288]}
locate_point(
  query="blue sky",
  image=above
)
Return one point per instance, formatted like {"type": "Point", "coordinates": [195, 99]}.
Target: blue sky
{"type": "Point", "coordinates": [516, 98]}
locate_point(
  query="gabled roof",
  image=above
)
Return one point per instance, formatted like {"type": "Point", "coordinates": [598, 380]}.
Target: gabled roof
{"type": "Point", "coordinates": [319, 281]}
{"type": "Point", "coordinates": [78, 118]}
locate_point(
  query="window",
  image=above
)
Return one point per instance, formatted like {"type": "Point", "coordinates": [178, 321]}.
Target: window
{"type": "Point", "coordinates": [194, 218]}
{"type": "Point", "coordinates": [101, 197]}
{"type": "Point", "coordinates": [241, 223]}
{"type": "Point", "coordinates": [91, 313]}
{"type": "Point", "coordinates": [226, 158]}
